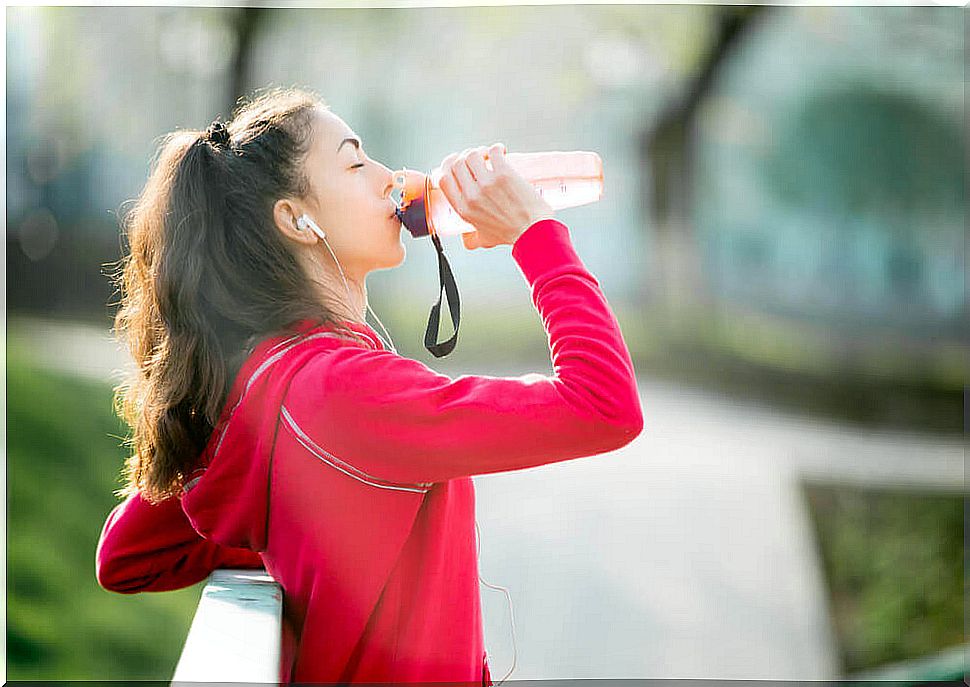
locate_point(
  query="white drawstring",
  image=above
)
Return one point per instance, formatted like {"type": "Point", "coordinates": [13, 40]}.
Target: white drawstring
{"type": "Point", "coordinates": [508, 596]}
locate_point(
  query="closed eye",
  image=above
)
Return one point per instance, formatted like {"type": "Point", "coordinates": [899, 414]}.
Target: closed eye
{"type": "Point", "coordinates": [359, 164]}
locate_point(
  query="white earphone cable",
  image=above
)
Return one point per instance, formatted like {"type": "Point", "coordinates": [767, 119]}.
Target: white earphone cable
{"type": "Point", "coordinates": [323, 236]}
{"type": "Point", "coordinates": [504, 590]}
{"type": "Point", "coordinates": [388, 341]}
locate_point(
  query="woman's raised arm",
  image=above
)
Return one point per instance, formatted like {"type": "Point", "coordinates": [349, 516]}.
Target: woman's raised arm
{"type": "Point", "coordinates": [395, 419]}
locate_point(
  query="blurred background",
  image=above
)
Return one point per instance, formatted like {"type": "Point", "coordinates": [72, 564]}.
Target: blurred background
{"type": "Point", "coordinates": [781, 237]}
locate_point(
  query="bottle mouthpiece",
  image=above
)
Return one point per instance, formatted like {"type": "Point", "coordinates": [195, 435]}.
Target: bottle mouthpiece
{"type": "Point", "coordinates": [414, 218]}
{"type": "Point", "coordinates": [411, 209]}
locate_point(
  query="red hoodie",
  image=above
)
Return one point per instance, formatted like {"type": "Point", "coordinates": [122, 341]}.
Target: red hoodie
{"type": "Point", "coordinates": [348, 468]}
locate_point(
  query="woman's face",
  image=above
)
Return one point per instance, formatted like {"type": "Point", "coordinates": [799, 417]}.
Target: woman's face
{"type": "Point", "coordinates": [350, 199]}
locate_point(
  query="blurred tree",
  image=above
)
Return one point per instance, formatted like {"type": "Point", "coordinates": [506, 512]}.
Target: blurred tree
{"type": "Point", "coordinates": [665, 148]}
{"type": "Point", "coordinates": [246, 22]}
{"type": "Point", "coordinates": [858, 151]}
{"type": "Point", "coordinates": [862, 150]}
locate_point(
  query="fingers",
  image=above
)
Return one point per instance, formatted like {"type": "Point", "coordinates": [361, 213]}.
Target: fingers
{"type": "Point", "coordinates": [463, 176]}
{"type": "Point", "coordinates": [476, 163]}
{"type": "Point", "coordinates": [496, 155]}
{"type": "Point", "coordinates": [447, 182]}
{"type": "Point", "coordinates": [448, 162]}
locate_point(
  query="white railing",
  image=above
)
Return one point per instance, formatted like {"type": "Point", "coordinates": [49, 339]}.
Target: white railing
{"type": "Point", "coordinates": [235, 635]}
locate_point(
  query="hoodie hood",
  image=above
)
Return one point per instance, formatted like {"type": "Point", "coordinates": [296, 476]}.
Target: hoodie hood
{"type": "Point", "coordinates": [227, 497]}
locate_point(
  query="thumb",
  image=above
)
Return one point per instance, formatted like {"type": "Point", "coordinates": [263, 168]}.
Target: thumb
{"type": "Point", "coordinates": [470, 239]}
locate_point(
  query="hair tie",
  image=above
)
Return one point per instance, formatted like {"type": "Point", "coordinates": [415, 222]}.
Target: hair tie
{"type": "Point", "coordinates": [218, 135]}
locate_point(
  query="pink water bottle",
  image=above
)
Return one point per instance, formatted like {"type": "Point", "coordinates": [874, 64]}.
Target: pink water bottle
{"type": "Point", "coordinates": [562, 179]}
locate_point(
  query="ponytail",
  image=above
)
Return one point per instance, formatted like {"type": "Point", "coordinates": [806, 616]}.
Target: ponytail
{"type": "Point", "coordinates": [207, 276]}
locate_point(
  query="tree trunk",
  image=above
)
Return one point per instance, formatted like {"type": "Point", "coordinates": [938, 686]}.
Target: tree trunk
{"type": "Point", "coordinates": [667, 158]}
{"type": "Point", "coordinates": [246, 21]}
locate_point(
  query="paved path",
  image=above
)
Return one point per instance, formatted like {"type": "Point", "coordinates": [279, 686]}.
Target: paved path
{"type": "Point", "coordinates": [687, 554]}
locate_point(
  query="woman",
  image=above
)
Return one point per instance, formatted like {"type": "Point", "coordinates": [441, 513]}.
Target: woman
{"type": "Point", "coordinates": [270, 419]}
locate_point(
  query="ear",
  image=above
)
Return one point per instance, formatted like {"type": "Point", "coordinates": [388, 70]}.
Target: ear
{"type": "Point", "coordinates": [285, 214]}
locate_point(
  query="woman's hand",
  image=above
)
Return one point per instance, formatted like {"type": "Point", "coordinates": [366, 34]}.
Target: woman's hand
{"type": "Point", "coordinates": [498, 202]}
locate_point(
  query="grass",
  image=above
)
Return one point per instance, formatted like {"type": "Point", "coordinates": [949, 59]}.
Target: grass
{"type": "Point", "coordinates": [894, 569]}
{"type": "Point", "coordinates": [63, 461]}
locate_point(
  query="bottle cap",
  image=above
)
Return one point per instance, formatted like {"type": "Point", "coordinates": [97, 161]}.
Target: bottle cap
{"type": "Point", "coordinates": [411, 209]}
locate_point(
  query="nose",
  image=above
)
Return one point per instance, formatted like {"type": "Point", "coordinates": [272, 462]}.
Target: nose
{"type": "Point", "coordinates": [387, 176]}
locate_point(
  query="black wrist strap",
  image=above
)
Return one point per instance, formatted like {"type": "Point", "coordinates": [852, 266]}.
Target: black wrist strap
{"type": "Point", "coordinates": [450, 288]}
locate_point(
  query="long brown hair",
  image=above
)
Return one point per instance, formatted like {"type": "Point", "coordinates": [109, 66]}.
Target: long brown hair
{"type": "Point", "coordinates": [207, 275]}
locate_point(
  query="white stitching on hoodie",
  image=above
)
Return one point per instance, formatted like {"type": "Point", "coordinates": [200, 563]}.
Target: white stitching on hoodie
{"type": "Point", "coordinates": [343, 466]}
{"type": "Point", "coordinates": [262, 368]}
{"type": "Point", "coordinates": [259, 370]}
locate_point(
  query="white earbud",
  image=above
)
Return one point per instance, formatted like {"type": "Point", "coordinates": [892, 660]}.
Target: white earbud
{"type": "Point", "coordinates": [304, 220]}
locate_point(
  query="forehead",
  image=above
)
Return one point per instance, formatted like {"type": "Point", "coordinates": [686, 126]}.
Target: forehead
{"type": "Point", "coordinates": [329, 131]}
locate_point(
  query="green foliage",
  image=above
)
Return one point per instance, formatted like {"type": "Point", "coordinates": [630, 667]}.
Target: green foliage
{"type": "Point", "coordinates": [63, 462]}
{"type": "Point", "coordinates": [859, 149]}
{"type": "Point", "coordinates": [893, 563]}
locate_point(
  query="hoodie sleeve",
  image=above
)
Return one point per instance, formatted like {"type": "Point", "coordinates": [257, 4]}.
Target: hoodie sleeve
{"type": "Point", "coordinates": [153, 548]}
{"type": "Point", "coordinates": [396, 419]}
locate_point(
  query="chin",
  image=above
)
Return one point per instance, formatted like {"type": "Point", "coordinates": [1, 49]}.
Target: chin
{"type": "Point", "coordinates": [402, 253]}
{"type": "Point", "coordinates": [393, 258]}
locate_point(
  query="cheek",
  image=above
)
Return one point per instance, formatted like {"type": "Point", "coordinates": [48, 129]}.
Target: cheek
{"type": "Point", "coordinates": [372, 237]}
{"type": "Point", "coordinates": [355, 204]}
{"type": "Point", "coordinates": [340, 206]}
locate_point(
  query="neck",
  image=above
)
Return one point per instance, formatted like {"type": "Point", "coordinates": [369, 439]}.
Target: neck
{"type": "Point", "coordinates": [349, 306]}
{"type": "Point", "coordinates": [348, 301]}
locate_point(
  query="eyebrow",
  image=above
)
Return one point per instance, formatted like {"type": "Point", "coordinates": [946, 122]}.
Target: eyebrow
{"type": "Point", "coordinates": [355, 141]}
